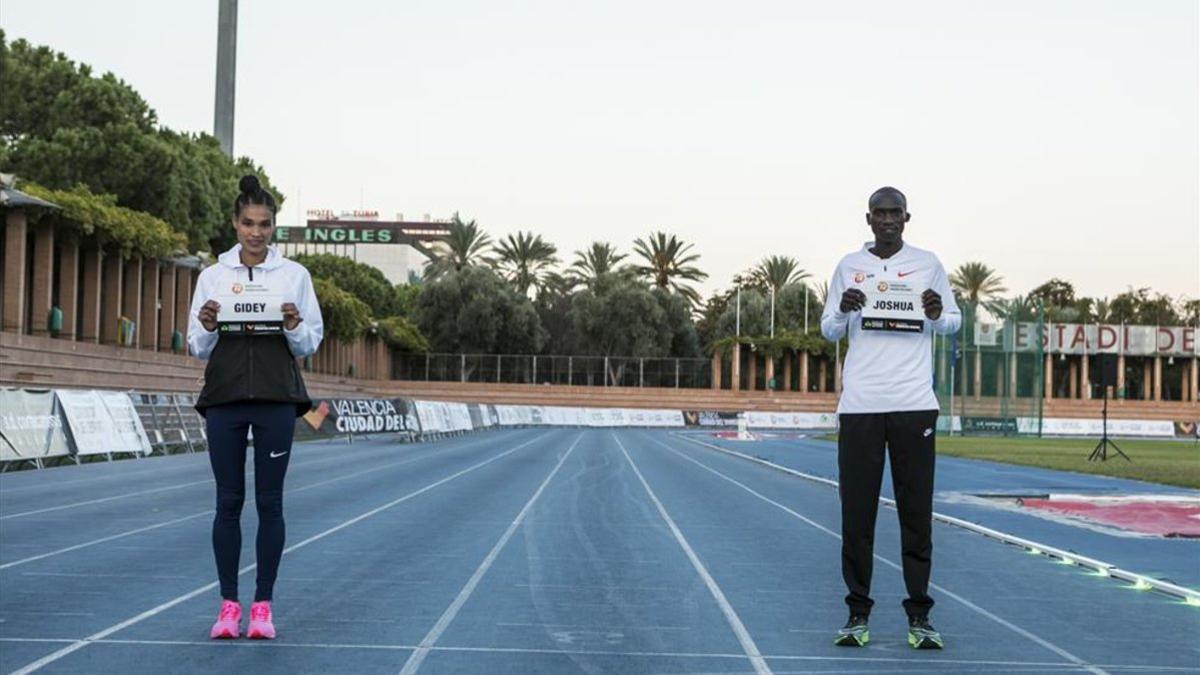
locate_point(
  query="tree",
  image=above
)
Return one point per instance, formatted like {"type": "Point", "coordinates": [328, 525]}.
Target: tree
{"type": "Point", "coordinates": [1124, 307]}
{"type": "Point", "coordinates": [345, 316]}
{"type": "Point", "coordinates": [399, 334]}
{"type": "Point", "coordinates": [710, 316]}
{"type": "Point", "coordinates": [790, 306]}
{"type": "Point", "coordinates": [473, 311]}
{"type": "Point", "coordinates": [1020, 308]}
{"type": "Point", "coordinates": [755, 316]}
{"type": "Point", "coordinates": [977, 284]}
{"type": "Point", "coordinates": [365, 282]}
{"type": "Point", "coordinates": [677, 313]}
{"type": "Point", "coordinates": [1140, 307]}
{"type": "Point", "coordinates": [406, 298]}
{"type": "Point", "coordinates": [50, 92]}
{"type": "Point", "coordinates": [1055, 293]}
{"type": "Point", "coordinates": [465, 246]}
{"type": "Point", "coordinates": [777, 271]}
{"type": "Point", "coordinates": [599, 258]}
{"type": "Point", "coordinates": [1159, 311]}
{"type": "Point", "coordinates": [667, 264]}
{"type": "Point", "coordinates": [85, 214]}
{"type": "Point", "coordinates": [553, 309]}
{"type": "Point", "coordinates": [1189, 311]}
{"type": "Point", "coordinates": [620, 315]}
{"type": "Point", "coordinates": [62, 127]}
{"type": "Point", "coordinates": [525, 259]}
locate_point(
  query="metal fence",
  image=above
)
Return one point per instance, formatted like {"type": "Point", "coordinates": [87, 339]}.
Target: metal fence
{"type": "Point", "coordinates": [587, 371]}
{"type": "Point", "coordinates": [171, 422]}
{"type": "Point", "coordinates": [985, 384]}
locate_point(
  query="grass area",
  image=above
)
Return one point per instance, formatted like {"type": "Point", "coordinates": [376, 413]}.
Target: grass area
{"type": "Point", "coordinates": [1164, 461]}
{"type": "Point", "coordinates": [1157, 461]}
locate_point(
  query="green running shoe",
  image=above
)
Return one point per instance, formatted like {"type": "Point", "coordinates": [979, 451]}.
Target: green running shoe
{"type": "Point", "coordinates": [921, 635]}
{"type": "Point", "coordinates": [854, 633]}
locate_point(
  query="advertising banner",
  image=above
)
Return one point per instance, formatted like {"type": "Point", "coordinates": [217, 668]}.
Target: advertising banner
{"type": "Point", "coordinates": [31, 425]}
{"type": "Point", "coordinates": [710, 418]}
{"type": "Point", "coordinates": [126, 423]}
{"type": "Point", "coordinates": [92, 427]}
{"type": "Point", "coordinates": [360, 415]}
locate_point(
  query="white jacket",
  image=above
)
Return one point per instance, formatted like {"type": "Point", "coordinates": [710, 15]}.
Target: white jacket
{"type": "Point", "coordinates": [886, 371]}
{"type": "Point", "coordinates": [294, 281]}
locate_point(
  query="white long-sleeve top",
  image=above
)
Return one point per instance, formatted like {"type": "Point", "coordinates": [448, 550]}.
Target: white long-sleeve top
{"type": "Point", "coordinates": [287, 275]}
{"type": "Point", "coordinates": [888, 371]}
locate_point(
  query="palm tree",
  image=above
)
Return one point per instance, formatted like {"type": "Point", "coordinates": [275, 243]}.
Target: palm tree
{"type": "Point", "coordinates": [977, 284]}
{"type": "Point", "coordinates": [599, 258]}
{"type": "Point", "coordinates": [778, 271]}
{"type": "Point", "coordinates": [465, 246]}
{"type": "Point", "coordinates": [667, 264]}
{"type": "Point", "coordinates": [556, 284]}
{"type": "Point", "coordinates": [1019, 308]}
{"type": "Point", "coordinates": [524, 259]}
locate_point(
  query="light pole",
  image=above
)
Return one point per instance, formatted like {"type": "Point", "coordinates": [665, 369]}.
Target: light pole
{"type": "Point", "coordinates": [226, 74]}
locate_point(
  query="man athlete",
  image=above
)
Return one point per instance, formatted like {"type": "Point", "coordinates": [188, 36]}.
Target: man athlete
{"type": "Point", "coordinates": [887, 400]}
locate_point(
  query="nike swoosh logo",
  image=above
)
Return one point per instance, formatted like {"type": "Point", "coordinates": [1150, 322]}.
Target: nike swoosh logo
{"type": "Point", "coordinates": [273, 455]}
{"type": "Point", "coordinates": [904, 274]}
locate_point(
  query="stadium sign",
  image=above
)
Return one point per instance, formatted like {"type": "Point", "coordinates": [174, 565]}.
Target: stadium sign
{"type": "Point", "coordinates": [1077, 338]}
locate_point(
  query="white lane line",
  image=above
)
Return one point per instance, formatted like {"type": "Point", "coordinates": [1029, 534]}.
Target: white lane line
{"type": "Point", "coordinates": [1189, 595]}
{"type": "Point", "coordinates": [1003, 622]}
{"type": "Point", "coordinates": [100, 635]}
{"type": "Point", "coordinates": [101, 540]}
{"type": "Point", "coordinates": [305, 463]}
{"type": "Point", "coordinates": [51, 483]}
{"type": "Point", "coordinates": [735, 622]}
{"type": "Point", "coordinates": [105, 499]}
{"type": "Point", "coordinates": [118, 472]}
{"type": "Point", "coordinates": [277, 644]}
{"type": "Point", "coordinates": [208, 512]}
{"type": "Point", "coordinates": [430, 639]}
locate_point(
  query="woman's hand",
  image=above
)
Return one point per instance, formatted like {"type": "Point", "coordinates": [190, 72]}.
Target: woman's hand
{"type": "Point", "coordinates": [291, 316]}
{"type": "Point", "coordinates": [208, 315]}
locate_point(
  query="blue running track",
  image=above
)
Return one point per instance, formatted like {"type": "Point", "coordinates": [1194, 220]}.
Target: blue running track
{"type": "Point", "coordinates": [536, 551]}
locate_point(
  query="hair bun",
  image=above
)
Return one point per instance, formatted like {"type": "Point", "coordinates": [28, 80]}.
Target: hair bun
{"type": "Point", "coordinates": [249, 185]}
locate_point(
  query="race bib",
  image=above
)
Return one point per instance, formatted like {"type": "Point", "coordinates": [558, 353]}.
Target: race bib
{"type": "Point", "coordinates": [249, 307]}
{"type": "Point", "coordinates": [893, 306]}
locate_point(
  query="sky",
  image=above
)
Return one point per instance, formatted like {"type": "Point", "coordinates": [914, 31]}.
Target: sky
{"type": "Point", "coordinates": [1046, 139]}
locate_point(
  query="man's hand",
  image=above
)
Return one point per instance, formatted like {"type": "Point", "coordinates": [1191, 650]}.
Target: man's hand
{"type": "Point", "coordinates": [208, 315]}
{"type": "Point", "coordinates": [291, 316]}
{"type": "Point", "coordinates": [852, 300]}
{"type": "Point", "coordinates": [932, 303]}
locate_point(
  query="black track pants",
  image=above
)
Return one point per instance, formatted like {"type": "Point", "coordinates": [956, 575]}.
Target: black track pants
{"type": "Point", "coordinates": [909, 439]}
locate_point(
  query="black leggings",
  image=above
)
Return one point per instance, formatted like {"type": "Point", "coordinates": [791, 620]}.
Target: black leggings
{"type": "Point", "coordinates": [273, 425]}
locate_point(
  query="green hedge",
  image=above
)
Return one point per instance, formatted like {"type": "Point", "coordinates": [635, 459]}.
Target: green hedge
{"type": "Point", "coordinates": [398, 333]}
{"type": "Point", "coordinates": [345, 316]}
{"type": "Point", "coordinates": [90, 214]}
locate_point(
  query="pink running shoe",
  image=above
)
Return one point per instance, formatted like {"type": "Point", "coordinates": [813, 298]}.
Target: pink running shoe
{"type": "Point", "coordinates": [261, 627]}
{"type": "Point", "coordinates": [229, 622]}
